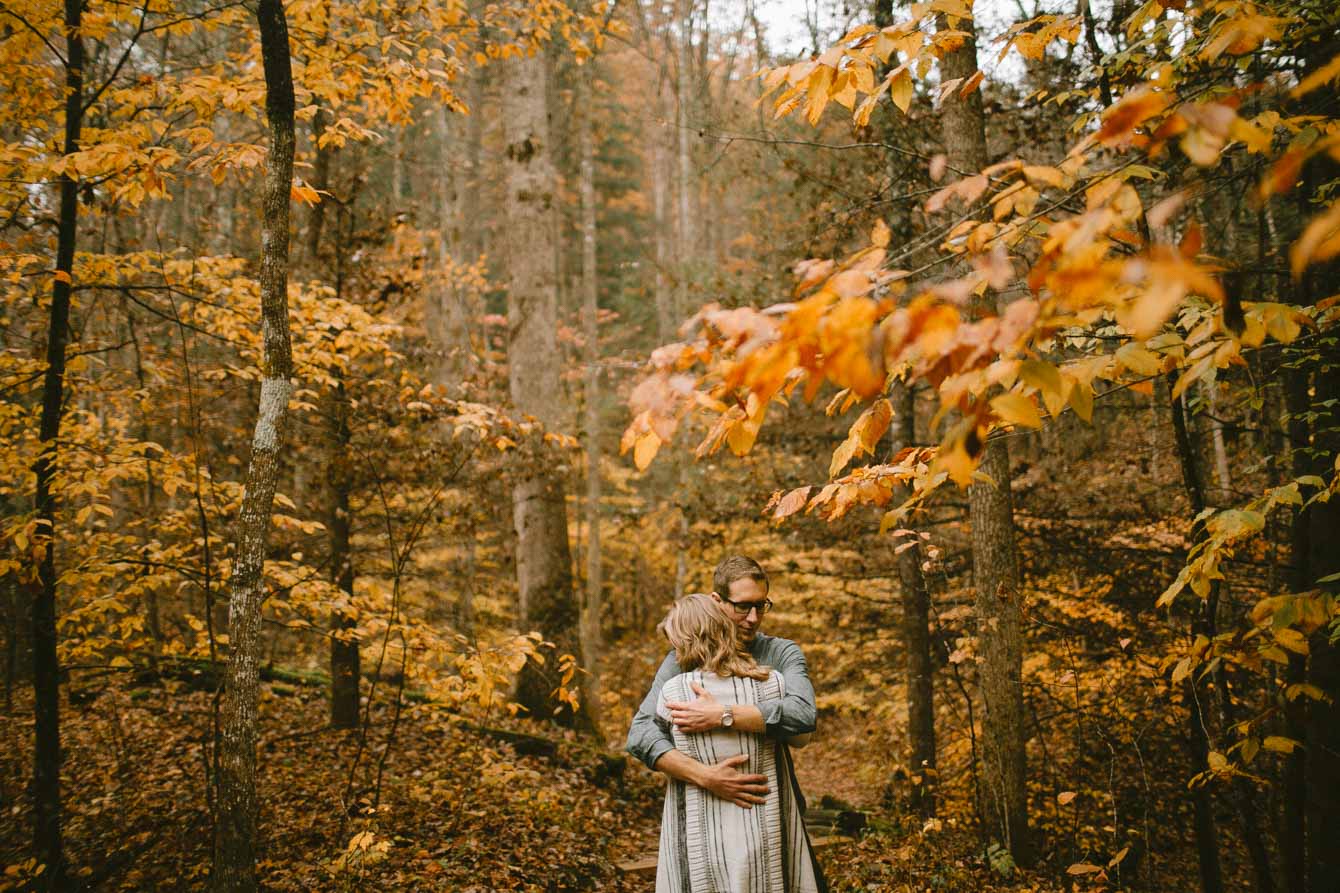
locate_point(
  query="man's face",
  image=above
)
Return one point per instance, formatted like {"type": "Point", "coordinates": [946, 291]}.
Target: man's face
{"type": "Point", "coordinates": [751, 594]}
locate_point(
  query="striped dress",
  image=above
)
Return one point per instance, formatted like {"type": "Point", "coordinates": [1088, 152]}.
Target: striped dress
{"type": "Point", "coordinates": [709, 845]}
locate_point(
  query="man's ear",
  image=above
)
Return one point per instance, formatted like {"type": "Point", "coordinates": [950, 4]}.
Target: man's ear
{"type": "Point", "coordinates": [716, 595]}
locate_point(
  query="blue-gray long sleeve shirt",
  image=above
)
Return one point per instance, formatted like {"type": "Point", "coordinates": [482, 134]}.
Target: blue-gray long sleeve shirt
{"type": "Point", "coordinates": [792, 714]}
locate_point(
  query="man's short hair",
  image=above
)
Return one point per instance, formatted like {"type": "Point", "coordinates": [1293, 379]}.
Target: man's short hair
{"type": "Point", "coordinates": [737, 567]}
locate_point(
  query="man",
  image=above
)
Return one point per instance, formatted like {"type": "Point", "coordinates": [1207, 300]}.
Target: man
{"type": "Point", "coordinates": [740, 587]}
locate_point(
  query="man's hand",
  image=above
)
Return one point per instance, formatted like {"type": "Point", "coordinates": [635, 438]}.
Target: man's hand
{"type": "Point", "coordinates": [726, 781]}
{"type": "Point", "coordinates": [703, 714]}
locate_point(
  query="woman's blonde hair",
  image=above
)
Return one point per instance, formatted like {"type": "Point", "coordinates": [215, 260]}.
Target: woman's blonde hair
{"type": "Point", "coordinates": [703, 637]}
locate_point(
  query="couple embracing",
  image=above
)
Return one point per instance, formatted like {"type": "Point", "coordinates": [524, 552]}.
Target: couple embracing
{"type": "Point", "coordinates": [725, 708]}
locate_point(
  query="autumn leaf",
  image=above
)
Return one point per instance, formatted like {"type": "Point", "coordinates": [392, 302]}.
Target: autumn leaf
{"type": "Point", "coordinates": [1016, 409]}
{"type": "Point", "coordinates": [1319, 242]}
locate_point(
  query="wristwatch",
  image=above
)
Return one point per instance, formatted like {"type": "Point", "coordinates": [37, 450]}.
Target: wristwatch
{"type": "Point", "coordinates": [727, 717]}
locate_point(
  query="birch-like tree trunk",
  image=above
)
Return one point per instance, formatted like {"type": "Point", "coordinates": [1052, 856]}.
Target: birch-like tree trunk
{"type": "Point", "coordinates": [543, 555]}
{"type": "Point", "coordinates": [995, 561]}
{"type": "Point", "coordinates": [593, 604]}
{"type": "Point", "coordinates": [685, 184]}
{"type": "Point", "coordinates": [235, 833]}
{"type": "Point", "coordinates": [667, 311]}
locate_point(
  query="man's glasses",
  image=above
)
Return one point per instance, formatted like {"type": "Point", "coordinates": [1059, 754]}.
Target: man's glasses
{"type": "Point", "coordinates": [743, 608]}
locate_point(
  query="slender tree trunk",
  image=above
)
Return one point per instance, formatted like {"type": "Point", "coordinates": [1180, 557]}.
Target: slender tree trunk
{"type": "Point", "coordinates": [543, 554]}
{"type": "Point", "coordinates": [344, 648]}
{"type": "Point", "coordinates": [1000, 654]}
{"type": "Point", "coordinates": [667, 313]}
{"type": "Point", "coordinates": [235, 833]}
{"type": "Point", "coordinates": [593, 605]}
{"type": "Point", "coordinates": [916, 599]}
{"type": "Point", "coordinates": [1293, 831]}
{"type": "Point", "coordinates": [1221, 475]}
{"type": "Point", "coordinates": [344, 644]}
{"type": "Point", "coordinates": [47, 836]}
{"type": "Point", "coordinates": [1323, 723]}
{"type": "Point", "coordinates": [472, 177]}
{"type": "Point", "coordinates": [1202, 624]}
{"type": "Point", "coordinates": [995, 561]}
{"type": "Point", "coordinates": [685, 185]}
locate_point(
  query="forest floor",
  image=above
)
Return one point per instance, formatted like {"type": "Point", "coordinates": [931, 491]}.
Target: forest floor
{"type": "Point", "coordinates": [457, 811]}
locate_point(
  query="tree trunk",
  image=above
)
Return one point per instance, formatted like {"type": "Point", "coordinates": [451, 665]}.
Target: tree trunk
{"type": "Point", "coordinates": [686, 249]}
{"type": "Point", "coordinates": [47, 837]}
{"type": "Point", "coordinates": [916, 599]}
{"type": "Point", "coordinates": [543, 556]}
{"type": "Point", "coordinates": [1322, 743]}
{"type": "Point", "coordinates": [995, 562]}
{"type": "Point", "coordinates": [1202, 625]}
{"type": "Point", "coordinates": [235, 833]}
{"type": "Point", "coordinates": [1293, 830]}
{"type": "Point", "coordinates": [344, 654]}
{"type": "Point", "coordinates": [1000, 654]}
{"type": "Point", "coordinates": [593, 606]}
{"type": "Point", "coordinates": [667, 313]}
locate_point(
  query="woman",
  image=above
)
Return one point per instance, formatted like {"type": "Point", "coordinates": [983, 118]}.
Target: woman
{"type": "Point", "coordinates": [709, 845]}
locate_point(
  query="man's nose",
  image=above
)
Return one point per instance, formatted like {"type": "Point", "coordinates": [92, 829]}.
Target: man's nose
{"type": "Point", "coordinates": [753, 612]}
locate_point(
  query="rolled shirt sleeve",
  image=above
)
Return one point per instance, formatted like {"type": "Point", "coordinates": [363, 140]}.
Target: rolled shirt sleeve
{"type": "Point", "coordinates": [649, 736]}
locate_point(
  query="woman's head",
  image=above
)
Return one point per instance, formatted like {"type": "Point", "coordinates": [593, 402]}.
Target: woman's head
{"type": "Point", "coordinates": [704, 638]}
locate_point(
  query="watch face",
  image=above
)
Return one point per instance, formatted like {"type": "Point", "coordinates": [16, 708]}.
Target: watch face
{"type": "Point", "coordinates": [727, 719]}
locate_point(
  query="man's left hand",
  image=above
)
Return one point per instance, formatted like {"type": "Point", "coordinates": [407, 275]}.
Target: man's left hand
{"type": "Point", "coordinates": [699, 715]}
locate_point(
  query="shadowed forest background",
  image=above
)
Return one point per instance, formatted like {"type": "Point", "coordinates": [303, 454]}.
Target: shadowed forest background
{"type": "Point", "coordinates": [373, 377]}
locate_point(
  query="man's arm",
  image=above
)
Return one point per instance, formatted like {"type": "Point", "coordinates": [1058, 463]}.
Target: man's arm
{"type": "Point", "coordinates": [794, 713]}
{"type": "Point", "coordinates": [787, 717]}
{"type": "Point", "coordinates": [651, 742]}
{"type": "Point", "coordinates": [721, 779]}
{"type": "Point", "coordinates": [647, 740]}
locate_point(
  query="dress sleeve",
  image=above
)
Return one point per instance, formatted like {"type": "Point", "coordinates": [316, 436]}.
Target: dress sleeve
{"type": "Point", "coordinates": [794, 713]}
{"type": "Point", "coordinates": [649, 735]}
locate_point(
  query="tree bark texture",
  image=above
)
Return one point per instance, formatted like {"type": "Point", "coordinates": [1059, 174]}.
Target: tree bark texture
{"type": "Point", "coordinates": [1322, 743]}
{"type": "Point", "coordinates": [344, 650]}
{"type": "Point", "coordinates": [1293, 827]}
{"type": "Point", "coordinates": [235, 833]}
{"type": "Point", "coordinates": [685, 184]}
{"type": "Point", "coordinates": [593, 605]}
{"type": "Point", "coordinates": [1000, 654]}
{"type": "Point", "coordinates": [543, 557]}
{"type": "Point", "coordinates": [1198, 734]}
{"type": "Point", "coordinates": [995, 562]}
{"type": "Point", "coordinates": [916, 603]}
{"type": "Point", "coordinates": [47, 836]}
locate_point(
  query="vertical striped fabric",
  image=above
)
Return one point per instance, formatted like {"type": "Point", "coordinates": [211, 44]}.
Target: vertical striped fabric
{"type": "Point", "coordinates": [711, 846]}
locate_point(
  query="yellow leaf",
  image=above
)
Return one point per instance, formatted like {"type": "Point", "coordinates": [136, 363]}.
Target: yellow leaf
{"type": "Point", "coordinates": [1081, 400]}
{"type": "Point", "coordinates": [872, 424]}
{"type": "Point", "coordinates": [1279, 744]}
{"type": "Point", "coordinates": [1320, 241]}
{"type": "Point", "coordinates": [1065, 797]}
{"type": "Point", "coordinates": [1139, 360]}
{"type": "Point", "coordinates": [1040, 375]}
{"type": "Point", "coordinates": [841, 456]}
{"type": "Point", "coordinates": [645, 449]}
{"type": "Point", "coordinates": [1328, 72]}
{"type": "Point", "coordinates": [901, 91]}
{"type": "Point", "coordinates": [1017, 409]}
